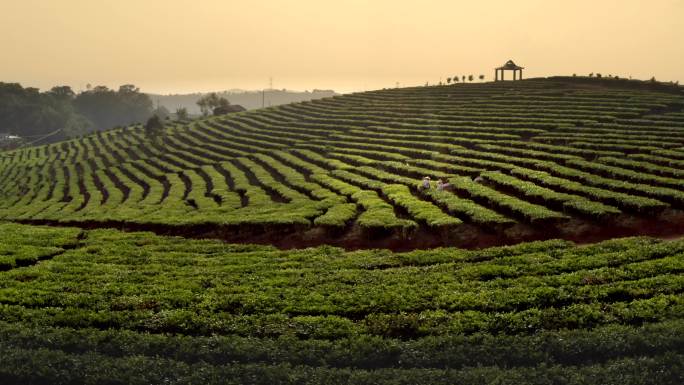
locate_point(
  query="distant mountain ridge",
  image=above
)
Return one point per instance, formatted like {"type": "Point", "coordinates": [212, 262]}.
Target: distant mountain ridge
{"type": "Point", "coordinates": [247, 99]}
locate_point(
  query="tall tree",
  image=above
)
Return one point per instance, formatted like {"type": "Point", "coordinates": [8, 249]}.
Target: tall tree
{"type": "Point", "coordinates": [162, 112]}
{"type": "Point", "coordinates": [154, 128]}
{"type": "Point", "coordinates": [108, 108]}
{"type": "Point", "coordinates": [28, 112]}
{"type": "Point", "coordinates": [62, 92]}
{"type": "Point", "coordinates": [62, 113]}
{"type": "Point", "coordinates": [182, 114]}
{"type": "Point", "coordinates": [210, 102]}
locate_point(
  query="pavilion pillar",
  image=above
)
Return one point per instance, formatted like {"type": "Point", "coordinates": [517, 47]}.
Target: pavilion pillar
{"type": "Point", "coordinates": [521, 74]}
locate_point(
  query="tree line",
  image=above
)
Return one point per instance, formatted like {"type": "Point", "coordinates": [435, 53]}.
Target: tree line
{"type": "Point", "coordinates": [456, 79]}
{"type": "Point", "coordinates": [463, 78]}
{"type": "Point", "coordinates": [31, 114]}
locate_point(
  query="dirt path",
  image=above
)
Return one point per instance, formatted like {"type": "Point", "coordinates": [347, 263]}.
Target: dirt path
{"type": "Point", "coordinates": [669, 227]}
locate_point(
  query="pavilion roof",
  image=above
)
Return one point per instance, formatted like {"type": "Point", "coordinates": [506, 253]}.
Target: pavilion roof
{"type": "Point", "coordinates": [510, 66]}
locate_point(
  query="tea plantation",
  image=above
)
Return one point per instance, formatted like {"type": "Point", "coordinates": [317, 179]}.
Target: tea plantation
{"type": "Point", "coordinates": [104, 306]}
{"type": "Point", "coordinates": [555, 158]}
{"type": "Point", "coordinates": [295, 244]}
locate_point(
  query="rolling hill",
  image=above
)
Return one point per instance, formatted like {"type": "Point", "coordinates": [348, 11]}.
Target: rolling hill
{"type": "Point", "coordinates": [555, 158]}
{"type": "Point", "coordinates": [83, 302]}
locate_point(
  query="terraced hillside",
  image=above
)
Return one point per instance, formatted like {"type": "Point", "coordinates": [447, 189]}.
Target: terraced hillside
{"type": "Point", "coordinates": [108, 307]}
{"type": "Point", "coordinates": [556, 158]}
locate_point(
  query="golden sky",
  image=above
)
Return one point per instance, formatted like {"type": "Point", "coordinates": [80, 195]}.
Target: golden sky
{"type": "Point", "coordinates": [346, 45]}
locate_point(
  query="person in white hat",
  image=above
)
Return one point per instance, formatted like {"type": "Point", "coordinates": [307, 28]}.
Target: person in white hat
{"type": "Point", "coordinates": [426, 183]}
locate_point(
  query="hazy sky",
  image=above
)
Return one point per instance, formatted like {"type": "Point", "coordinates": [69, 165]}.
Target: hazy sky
{"type": "Point", "coordinates": [200, 45]}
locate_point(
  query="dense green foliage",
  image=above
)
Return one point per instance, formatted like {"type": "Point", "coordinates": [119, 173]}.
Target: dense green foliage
{"type": "Point", "coordinates": [537, 156]}
{"type": "Point", "coordinates": [32, 115]}
{"type": "Point", "coordinates": [545, 152]}
{"type": "Point", "coordinates": [28, 113]}
{"type": "Point", "coordinates": [112, 307]}
{"type": "Point", "coordinates": [109, 108]}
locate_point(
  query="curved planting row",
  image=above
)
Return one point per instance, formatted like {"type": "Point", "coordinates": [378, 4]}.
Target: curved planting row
{"type": "Point", "coordinates": [537, 153]}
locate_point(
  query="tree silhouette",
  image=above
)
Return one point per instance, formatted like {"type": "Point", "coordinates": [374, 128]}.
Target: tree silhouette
{"type": "Point", "coordinates": [154, 128]}
{"type": "Point", "coordinates": [211, 102]}
{"type": "Point", "coordinates": [62, 92]}
{"type": "Point", "coordinates": [482, 77]}
{"type": "Point", "coordinates": [448, 80]}
{"type": "Point", "coordinates": [470, 78]}
{"type": "Point", "coordinates": [203, 104]}
{"type": "Point", "coordinates": [182, 113]}
{"type": "Point", "coordinates": [162, 112]}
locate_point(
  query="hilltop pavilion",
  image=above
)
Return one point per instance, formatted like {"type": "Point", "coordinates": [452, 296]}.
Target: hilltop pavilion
{"type": "Point", "coordinates": [509, 66]}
